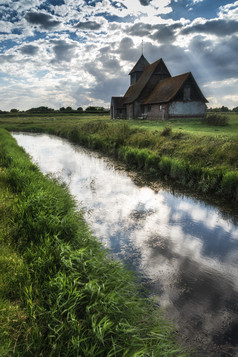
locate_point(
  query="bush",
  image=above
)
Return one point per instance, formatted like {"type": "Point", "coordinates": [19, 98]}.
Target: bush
{"type": "Point", "coordinates": [216, 120]}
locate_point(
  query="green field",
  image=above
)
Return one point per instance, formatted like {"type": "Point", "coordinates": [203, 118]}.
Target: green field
{"type": "Point", "coordinates": [191, 126]}
{"type": "Point", "coordinates": [190, 153]}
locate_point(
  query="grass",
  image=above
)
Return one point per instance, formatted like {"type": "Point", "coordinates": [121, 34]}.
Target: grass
{"type": "Point", "coordinates": [197, 155]}
{"type": "Point", "coordinates": [12, 313]}
{"type": "Point", "coordinates": [61, 294]}
{"type": "Point", "coordinates": [192, 126]}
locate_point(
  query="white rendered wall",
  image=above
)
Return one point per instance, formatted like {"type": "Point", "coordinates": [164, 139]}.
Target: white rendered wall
{"type": "Point", "coordinates": [187, 108]}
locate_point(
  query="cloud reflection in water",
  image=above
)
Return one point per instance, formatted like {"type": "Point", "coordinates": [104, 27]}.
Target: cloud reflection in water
{"type": "Point", "coordinates": [184, 248]}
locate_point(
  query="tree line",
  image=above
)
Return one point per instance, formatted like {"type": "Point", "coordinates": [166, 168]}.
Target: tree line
{"type": "Point", "coordinates": [43, 109]}
{"type": "Point", "coordinates": [94, 109]}
{"type": "Point", "coordinates": [222, 109]}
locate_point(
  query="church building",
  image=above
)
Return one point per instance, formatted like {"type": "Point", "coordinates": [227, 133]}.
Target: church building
{"type": "Point", "coordinates": [153, 94]}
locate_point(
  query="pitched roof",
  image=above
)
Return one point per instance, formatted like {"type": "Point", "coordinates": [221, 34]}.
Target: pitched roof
{"type": "Point", "coordinates": [140, 65]}
{"type": "Point", "coordinates": [166, 90]}
{"type": "Point", "coordinates": [118, 101]}
{"type": "Point", "coordinates": [135, 90]}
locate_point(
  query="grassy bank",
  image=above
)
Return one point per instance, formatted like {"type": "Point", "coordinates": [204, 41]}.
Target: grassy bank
{"type": "Point", "coordinates": [60, 292]}
{"type": "Point", "coordinates": [191, 153]}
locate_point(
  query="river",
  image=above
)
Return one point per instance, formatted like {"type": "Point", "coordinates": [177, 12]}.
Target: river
{"type": "Point", "coordinates": [184, 249]}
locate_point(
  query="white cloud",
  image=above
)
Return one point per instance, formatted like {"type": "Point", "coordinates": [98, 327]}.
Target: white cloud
{"type": "Point", "coordinates": [112, 47]}
{"type": "Point", "coordinates": [229, 11]}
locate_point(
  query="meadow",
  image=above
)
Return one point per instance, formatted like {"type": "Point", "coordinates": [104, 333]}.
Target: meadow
{"type": "Point", "coordinates": [187, 152]}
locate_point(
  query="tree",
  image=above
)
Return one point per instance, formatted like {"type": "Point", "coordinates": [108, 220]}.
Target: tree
{"type": "Point", "coordinates": [235, 109]}
{"type": "Point", "coordinates": [91, 109]}
{"type": "Point", "coordinates": [41, 109]}
{"type": "Point", "coordinates": [224, 109]}
{"type": "Point", "coordinates": [80, 109]}
{"type": "Point", "coordinates": [14, 111]}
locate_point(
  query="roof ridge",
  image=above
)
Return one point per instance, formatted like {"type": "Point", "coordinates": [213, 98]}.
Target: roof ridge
{"type": "Point", "coordinates": [142, 81]}
{"type": "Point", "coordinates": [167, 89]}
{"type": "Point", "coordinates": [140, 65]}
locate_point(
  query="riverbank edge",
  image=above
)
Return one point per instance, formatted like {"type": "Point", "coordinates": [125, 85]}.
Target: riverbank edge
{"type": "Point", "coordinates": [74, 300]}
{"type": "Point", "coordinates": [115, 139]}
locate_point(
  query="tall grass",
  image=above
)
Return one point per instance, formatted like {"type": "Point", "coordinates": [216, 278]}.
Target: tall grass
{"type": "Point", "coordinates": [76, 300]}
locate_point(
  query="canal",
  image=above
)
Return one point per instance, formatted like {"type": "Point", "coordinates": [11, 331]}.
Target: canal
{"type": "Point", "coordinates": [185, 250]}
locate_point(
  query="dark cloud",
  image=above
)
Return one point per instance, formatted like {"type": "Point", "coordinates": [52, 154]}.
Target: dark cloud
{"type": "Point", "coordinates": [109, 64]}
{"type": "Point", "coordinates": [104, 89]}
{"type": "Point", "coordinates": [43, 20]}
{"type": "Point", "coordinates": [161, 33]}
{"type": "Point", "coordinates": [101, 70]}
{"type": "Point", "coordinates": [220, 58]}
{"type": "Point", "coordinates": [140, 29]}
{"type": "Point", "coordinates": [145, 2]}
{"type": "Point", "coordinates": [95, 71]}
{"type": "Point", "coordinates": [6, 58]}
{"type": "Point", "coordinates": [127, 50]}
{"type": "Point", "coordinates": [63, 51]}
{"type": "Point", "coordinates": [164, 34]}
{"type": "Point", "coordinates": [88, 25]}
{"type": "Point", "coordinates": [214, 27]}
{"type": "Point", "coordinates": [29, 50]}
{"type": "Point", "coordinates": [105, 50]}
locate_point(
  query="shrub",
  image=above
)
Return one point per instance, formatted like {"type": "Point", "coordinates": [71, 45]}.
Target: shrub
{"type": "Point", "coordinates": [216, 120]}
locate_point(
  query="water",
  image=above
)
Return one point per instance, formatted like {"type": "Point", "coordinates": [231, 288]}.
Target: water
{"type": "Point", "coordinates": [185, 249]}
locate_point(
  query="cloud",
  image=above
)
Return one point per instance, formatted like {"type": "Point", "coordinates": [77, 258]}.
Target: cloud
{"type": "Point", "coordinates": [104, 89]}
{"type": "Point", "coordinates": [45, 21]}
{"type": "Point", "coordinates": [96, 43]}
{"type": "Point", "coordinates": [127, 50]}
{"type": "Point", "coordinates": [214, 27]}
{"type": "Point", "coordinates": [214, 55]}
{"type": "Point", "coordinates": [88, 25]}
{"type": "Point", "coordinates": [160, 32]}
{"type": "Point", "coordinates": [145, 2]}
{"type": "Point", "coordinates": [6, 58]}
{"type": "Point", "coordinates": [164, 34]}
{"type": "Point", "coordinates": [63, 51]}
{"type": "Point", "coordinates": [30, 50]}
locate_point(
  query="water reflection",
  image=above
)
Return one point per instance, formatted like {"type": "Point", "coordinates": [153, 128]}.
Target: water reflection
{"type": "Point", "coordinates": [185, 249]}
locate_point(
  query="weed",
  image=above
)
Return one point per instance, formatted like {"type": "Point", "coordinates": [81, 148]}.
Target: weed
{"type": "Point", "coordinates": [166, 131]}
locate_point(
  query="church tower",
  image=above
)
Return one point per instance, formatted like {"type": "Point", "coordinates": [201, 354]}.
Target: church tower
{"type": "Point", "coordinates": [138, 69]}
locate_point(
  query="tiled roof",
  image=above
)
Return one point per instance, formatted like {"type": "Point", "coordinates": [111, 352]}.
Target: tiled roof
{"type": "Point", "coordinates": [140, 65]}
{"type": "Point", "coordinates": [135, 90]}
{"type": "Point", "coordinates": [166, 90]}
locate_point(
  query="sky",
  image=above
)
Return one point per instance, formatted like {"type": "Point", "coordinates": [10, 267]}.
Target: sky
{"type": "Point", "coordinates": [77, 53]}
